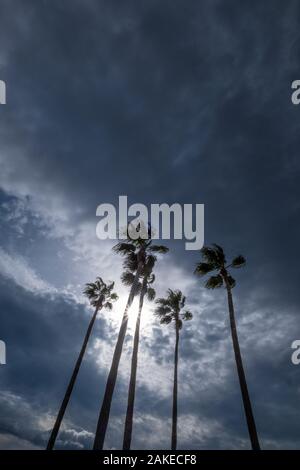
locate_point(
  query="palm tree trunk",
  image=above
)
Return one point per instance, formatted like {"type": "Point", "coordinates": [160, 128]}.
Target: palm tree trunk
{"type": "Point", "coordinates": [240, 369]}
{"type": "Point", "coordinates": [112, 376]}
{"type": "Point", "coordinates": [132, 383]}
{"type": "Point", "coordinates": [174, 415]}
{"type": "Point", "coordinates": [70, 387]}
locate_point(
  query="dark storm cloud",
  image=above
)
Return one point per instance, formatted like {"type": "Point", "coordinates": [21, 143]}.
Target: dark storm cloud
{"type": "Point", "coordinates": [162, 101]}
{"type": "Point", "coordinates": [176, 85]}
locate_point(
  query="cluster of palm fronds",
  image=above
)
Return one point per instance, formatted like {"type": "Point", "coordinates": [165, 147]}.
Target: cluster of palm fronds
{"type": "Point", "coordinates": [140, 257]}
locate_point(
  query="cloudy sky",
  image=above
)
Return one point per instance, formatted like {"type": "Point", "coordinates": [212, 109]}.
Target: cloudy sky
{"type": "Point", "coordinates": [163, 101]}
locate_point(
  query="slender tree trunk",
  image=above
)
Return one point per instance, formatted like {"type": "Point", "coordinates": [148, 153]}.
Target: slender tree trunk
{"type": "Point", "coordinates": [240, 369]}
{"type": "Point", "coordinates": [112, 376]}
{"type": "Point", "coordinates": [174, 414]}
{"type": "Point", "coordinates": [132, 383]}
{"type": "Point", "coordinates": [70, 387]}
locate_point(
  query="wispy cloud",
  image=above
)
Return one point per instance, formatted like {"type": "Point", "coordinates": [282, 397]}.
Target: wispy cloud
{"type": "Point", "coordinates": [17, 269]}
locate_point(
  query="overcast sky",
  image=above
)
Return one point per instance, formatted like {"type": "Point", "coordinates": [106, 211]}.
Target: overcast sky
{"type": "Point", "coordinates": [162, 101]}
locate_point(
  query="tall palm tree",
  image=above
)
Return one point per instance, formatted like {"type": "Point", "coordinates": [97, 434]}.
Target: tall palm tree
{"type": "Point", "coordinates": [147, 290]}
{"type": "Point", "coordinates": [135, 252]}
{"type": "Point", "coordinates": [100, 295]}
{"type": "Point", "coordinates": [169, 310]}
{"type": "Point", "coordinates": [214, 260]}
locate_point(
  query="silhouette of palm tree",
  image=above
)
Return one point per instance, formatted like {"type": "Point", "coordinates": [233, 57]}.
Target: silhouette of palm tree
{"type": "Point", "coordinates": [100, 295]}
{"type": "Point", "coordinates": [169, 310]}
{"type": "Point", "coordinates": [214, 260]}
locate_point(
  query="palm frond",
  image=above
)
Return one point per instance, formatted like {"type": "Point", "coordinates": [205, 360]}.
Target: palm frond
{"type": "Point", "coordinates": [127, 278]}
{"type": "Point", "coordinates": [108, 305]}
{"type": "Point", "coordinates": [150, 261]}
{"type": "Point", "coordinates": [174, 295]}
{"type": "Point", "coordinates": [187, 315]}
{"type": "Point", "coordinates": [90, 286]}
{"type": "Point", "coordinates": [204, 268]}
{"type": "Point", "coordinates": [220, 253]}
{"type": "Point", "coordinates": [99, 281]}
{"type": "Point", "coordinates": [151, 294]}
{"type": "Point", "coordinates": [238, 262]}
{"type": "Point", "coordinates": [159, 249]}
{"type": "Point", "coordinates": [210, 256]}
{"type": "Point", "coordinates": [214, 282]}
{"type": "Point", "coordinates": [166, 319]}
{"type": "Point", "coordinates": [110, 286]}
{"type": "Point", "coordinates": [162, 301]}
{"type": "Point", "coordinates": [149, 265]}
{"type": "Point", "coordinates": [90, 290]}
{"type": "Point", "coordinates": [151, 279]}
{"type": "Point", "coordinates": [131, 262]}
{"type": "Point", "coordinates": [182, 301]}
{"type": "Point", "coordinates": [124, 248]}
{"type": "Point", "coordinates": [162, 311]}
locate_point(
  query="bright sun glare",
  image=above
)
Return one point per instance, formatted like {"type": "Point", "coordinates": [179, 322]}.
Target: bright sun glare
{"type": "Point", "coordinates": [146, 319]}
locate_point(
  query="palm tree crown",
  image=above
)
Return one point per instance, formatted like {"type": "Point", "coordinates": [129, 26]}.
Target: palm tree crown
{"type": "Point", "coordinates": [170, 308]}
{"type": "Point", "coordinates": [214, 260]}
{"type": "Point", "coordinates": [135, 251]}
{"type": "Point", "coordinates": [100, 294]}
{"type": "Point", "coordinates": [139, 253]}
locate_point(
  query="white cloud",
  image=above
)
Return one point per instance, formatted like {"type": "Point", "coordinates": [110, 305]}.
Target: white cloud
{"type": "Point", "coordinates": [17, 269]}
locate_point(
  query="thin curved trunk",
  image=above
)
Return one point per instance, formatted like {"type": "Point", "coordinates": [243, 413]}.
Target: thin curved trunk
{"type": "Point", "coordinates": [112, 376]}
{"type": "Point", "coordinates": [132, 383]}
{"type": "Point", "coordinates": [241, 373]}
{"type": "Point", "coordinates": [174, 414]}
{"type": "Point", "coordinates": [70, 387]}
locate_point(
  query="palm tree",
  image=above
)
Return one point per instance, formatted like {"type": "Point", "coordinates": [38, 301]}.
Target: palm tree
{"type": "Point", "coordinates": [135, 253]}
{"type": "Point", "coordinates": [100, 295]}
{"type": "Point", "coordinates": [147, 290]}
{"type": "Point", "coordinates": [214, 261]}
{"type": "Point", "coordinates": [170, 309]}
